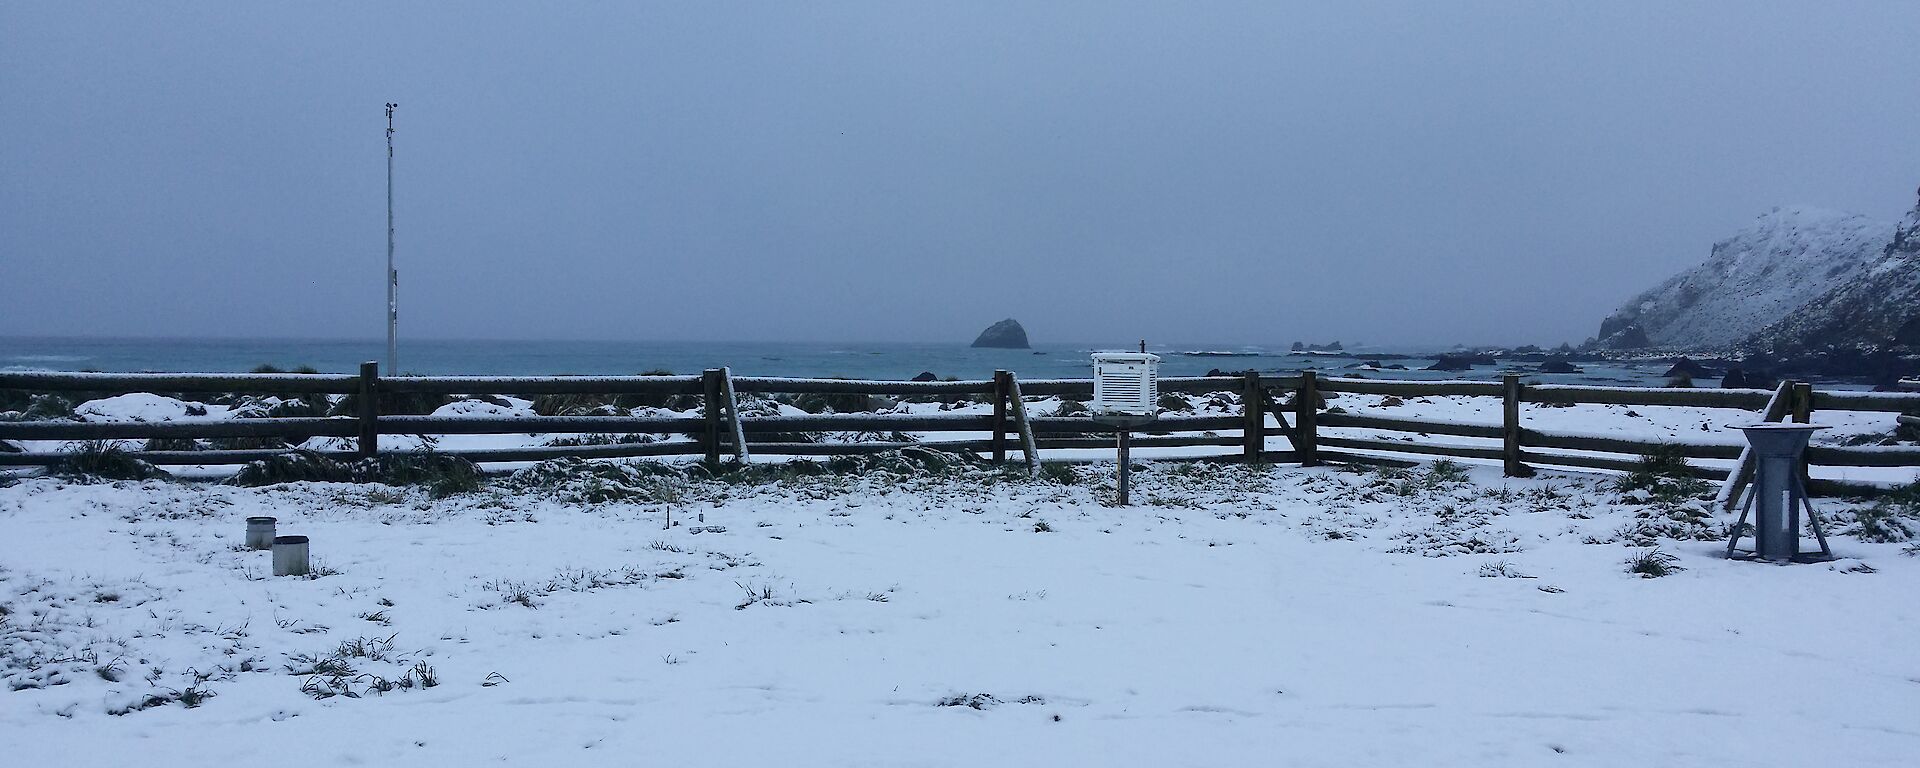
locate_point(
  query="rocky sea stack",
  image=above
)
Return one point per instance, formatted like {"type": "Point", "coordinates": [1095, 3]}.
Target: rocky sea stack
{"type": "Point", "coordinates": [1006, 334]}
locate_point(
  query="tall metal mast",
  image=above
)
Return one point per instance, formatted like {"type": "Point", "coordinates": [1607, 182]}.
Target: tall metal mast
{"type": "Point", "coordinates": [393, 276]}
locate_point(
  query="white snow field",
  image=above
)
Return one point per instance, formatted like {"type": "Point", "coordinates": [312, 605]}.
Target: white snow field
{"type": "Point", "coordinates": [1233, 616]}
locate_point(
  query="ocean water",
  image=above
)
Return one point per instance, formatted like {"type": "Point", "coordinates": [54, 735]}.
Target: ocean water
{"type": "Point", "coordinates": [807, 359]}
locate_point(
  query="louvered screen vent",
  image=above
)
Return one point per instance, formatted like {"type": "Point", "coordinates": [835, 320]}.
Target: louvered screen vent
{"type": "Point", "coordinates": [1126, 382]}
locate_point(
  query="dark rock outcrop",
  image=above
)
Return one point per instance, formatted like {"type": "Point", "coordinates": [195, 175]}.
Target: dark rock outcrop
{"type": "Point", "coordinates": [1687, 368]}
{"type": "Point", "coordinates": [1558, 365]}
{"type": "Point", "coordinates": [1451, 364]}
{"type": "Point", "coordinates": [928, 375]}
{"type": "Point", "coordinates": [1006, 334]}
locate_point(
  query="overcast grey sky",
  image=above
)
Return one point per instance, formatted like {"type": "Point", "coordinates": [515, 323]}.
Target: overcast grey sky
{"type": "Point", "coordinates": [1391, 172]}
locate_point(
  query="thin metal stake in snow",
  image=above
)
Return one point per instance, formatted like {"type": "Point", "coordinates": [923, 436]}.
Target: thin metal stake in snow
{"type": "Point", "coordinates": [393, 276]}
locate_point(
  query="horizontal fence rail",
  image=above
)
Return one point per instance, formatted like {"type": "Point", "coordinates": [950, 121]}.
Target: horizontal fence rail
{"type": "Point", "coordinates": [542, 385]}
{"type": "Point", "coordinates": [1409, 388]}
{"type": "Point", "coordinates": [1744, 399]}
{"type": "Point", "coordinates": [1258, 398]}
{"type": "Point", "coordinates": [1395, 424]}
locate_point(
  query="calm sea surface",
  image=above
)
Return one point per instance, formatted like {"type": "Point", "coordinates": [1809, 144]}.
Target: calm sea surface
{"type": "Point", "coordinates": [852, 360]}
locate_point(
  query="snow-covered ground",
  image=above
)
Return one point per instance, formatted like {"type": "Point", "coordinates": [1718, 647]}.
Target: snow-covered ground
{"type": "Point", "coordinates": [1235, 615]}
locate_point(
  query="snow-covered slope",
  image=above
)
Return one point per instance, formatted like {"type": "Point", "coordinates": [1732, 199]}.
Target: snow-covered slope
{"type": "Point", "coordinates": [1877, 308]}
{"type": "Point", "coordinates": [1789, 257]}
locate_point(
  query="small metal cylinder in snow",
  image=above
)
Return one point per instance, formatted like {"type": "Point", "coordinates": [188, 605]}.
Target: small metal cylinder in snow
{"type": "Point", "coordinates": [260, 533]}
{"type": "Point", "coordinates": [290, 556]}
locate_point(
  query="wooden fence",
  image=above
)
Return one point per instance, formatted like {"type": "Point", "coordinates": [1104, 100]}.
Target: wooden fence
{"type": "Point", "coordinates": [722, 430]}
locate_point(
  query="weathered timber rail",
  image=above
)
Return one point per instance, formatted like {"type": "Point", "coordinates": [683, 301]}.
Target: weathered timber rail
{"type": "Point", "coordinates": [720, 429]}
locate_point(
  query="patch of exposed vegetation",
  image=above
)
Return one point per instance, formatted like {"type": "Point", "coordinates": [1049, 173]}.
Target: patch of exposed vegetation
{"type": "Point", "coordinates": [360, 667]}
{"type": "Point", "coordinates": [105, 460]}
{"type": "Point", "coordinates": [1663, 475]}
{"type": "Point", "coordinates": [1671, 499]}
{"type": "Point", "coordinates": [1653, 564]}
{"type": "Point", "coordinates": [1891, 518]}
{"type": "Point", "coordinates": [579, 481]}
{"type": "Point", "coordinates": [442, 475]}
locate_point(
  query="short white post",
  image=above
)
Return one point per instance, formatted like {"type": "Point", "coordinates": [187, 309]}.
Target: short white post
{"type": "Point", "coordinates": [290, 556]}
{"type": "Point", "coordinates": [260, 532]}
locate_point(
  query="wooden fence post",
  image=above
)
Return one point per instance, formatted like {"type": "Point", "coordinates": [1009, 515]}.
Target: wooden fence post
{"type": "Point", "coordinates": [734, 429]}
{"type": "Point", "coordinates": [1306, 406]}
{"type": "Point", "coordinates": [1253, 432]}
{"type": "Point", "coordinates": [1028, 447]}
{"type": "Point", "coordinates": [710, 386]}
{"type": "Point", "coordinates": [1510, 387]}
{"type": "Point", "coordinates": [369, 408]}
{"type": "Point", "coordinates": [1000, 415]}
{"type": "Point", "coordinates": [1802, 414]}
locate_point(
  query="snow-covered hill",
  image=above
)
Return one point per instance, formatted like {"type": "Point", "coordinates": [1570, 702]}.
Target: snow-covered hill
{"type": "Point", "coordinates": [1787, 258]}
{"type": "Point", "coordinates": [1877, 308]}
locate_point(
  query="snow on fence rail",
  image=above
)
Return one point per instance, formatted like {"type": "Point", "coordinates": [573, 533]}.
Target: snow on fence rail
{"type": "Point", "coordinates": [721, 425]}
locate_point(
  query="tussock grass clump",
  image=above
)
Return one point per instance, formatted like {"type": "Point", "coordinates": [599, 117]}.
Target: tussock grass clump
{"type": "Point", "coordinates": [259, 443]}
{"type": "Point", "coordinates": [913, 461]}
{"type": "Point", "coordinates": [337, 671]}
{"type": "Point", "coordinates": [48, 407]}
{"type": "Point", "coordinates": [292, 467]}
{"type": "Point", "coordinates": [1663, 482]}
{"type": "Point", "coordinates": [828, 402]}
{"type": "Point", "coordinates": [441, 474]}
{"type": "Point", "coordinates": [1892, 517]}
{"type": "Point", "coordinates": [1439, 476]}
{"type": "Point", "coordinates": [21, 405]}
{"type": "Point", "coordinates": [756, 474]}
{"type": "Point", "coordinates": [172, 444]}
{"type": "Point", "coordinates": [12, 401]}
{"type": "Point", "coordinates": [271, 368]}
{"type": "Point", "coordinates": [1060, 473]}
{"type": "Point", "coordinates": [1653, 564]}
{"type": "Point", "coordinates": [1880, 526]}
{"type": "Point", "coordinates": [579, 481]}
{"type": "Point", "coordinates": [1501, 570]}
{"type": "Point", "coordinates": [905, 462]}
{"type": "Point", "coordinates": [1446, 472]}
{"type": "Point", "coordinates": [392, 404]}
{"type": "Point", "coordinates": [630, 438]}
{"type": "Point", "coordinates": [1663, 475]}
{"type": "Point", "coordinates": [105, 460]}
{"type": "Point", "coordinates": [290, 406]}
{"type": "Point", "coordinates": [577, 404]}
